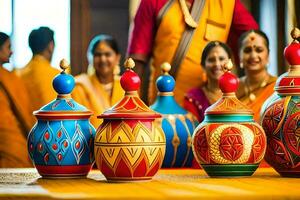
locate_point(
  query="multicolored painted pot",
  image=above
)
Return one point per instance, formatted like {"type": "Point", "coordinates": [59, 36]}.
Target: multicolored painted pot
{"type": "Point", "coordinates": [229, 142]}
{"type": "Point", "coordinates": [129, 146]}
{"type": "Point", "coordinates": [177, 123]}
{"type": "Point", "coordinates": [61, 142]}
{"type": "Point", "coordinates": [281, 116]}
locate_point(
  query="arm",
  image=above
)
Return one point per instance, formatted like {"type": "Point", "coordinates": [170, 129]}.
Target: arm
{"type": "Point", "coordinates": [141, 40]}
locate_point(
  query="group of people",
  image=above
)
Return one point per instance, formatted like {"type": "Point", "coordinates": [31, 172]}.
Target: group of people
{"type": "Point", "coordinates": [254, 88]}
{"type": "Point", "coordinates": [154, 39]}
{"type": "Point", "coordinates": [22, 92]}
{"type": "Point", "coordinates": [29, 88]}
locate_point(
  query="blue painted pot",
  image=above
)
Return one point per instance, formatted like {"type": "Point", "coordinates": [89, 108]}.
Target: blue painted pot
{"type": "Point", "coordinates": [61, 142]}
{"type": "Point", "coordinates": [177, 124]}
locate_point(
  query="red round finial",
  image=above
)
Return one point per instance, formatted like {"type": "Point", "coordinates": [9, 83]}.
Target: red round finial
{"type": "Point", "coordinates": [292, 52]}
{"type": "Point", "coordinates": [228, 82]}
{"type": "Point", "coordinates": [130, 81]}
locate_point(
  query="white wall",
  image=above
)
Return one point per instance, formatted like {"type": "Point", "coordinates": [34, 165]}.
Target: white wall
{"type": "Point", "coordinates": [29, 15]}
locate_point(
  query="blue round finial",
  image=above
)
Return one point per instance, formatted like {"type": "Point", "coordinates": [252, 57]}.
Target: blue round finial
{"type": "Point", "coordinates": [63, 83]}
{"type": "Point", "coordinates": [165, 83]}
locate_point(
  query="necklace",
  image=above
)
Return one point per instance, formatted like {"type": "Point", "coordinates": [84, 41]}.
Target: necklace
{"type": "Point", "coordinates": [249, 91]}
{"type": "Point", "coordinates": [212, 95]}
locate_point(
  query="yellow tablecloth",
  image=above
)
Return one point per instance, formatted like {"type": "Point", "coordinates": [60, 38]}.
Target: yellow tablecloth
{"type": "Point", "coordinates": [167, 184]}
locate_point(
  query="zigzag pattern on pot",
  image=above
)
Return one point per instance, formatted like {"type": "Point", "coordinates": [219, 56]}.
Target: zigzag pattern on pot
{"type": "Point", "coordinates": [132, 145]}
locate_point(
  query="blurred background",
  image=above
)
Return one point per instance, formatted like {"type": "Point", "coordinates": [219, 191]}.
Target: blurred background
{"type": "Point", "coordinates": [76, 22]}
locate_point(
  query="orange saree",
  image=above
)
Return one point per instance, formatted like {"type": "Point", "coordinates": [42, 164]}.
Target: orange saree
{"type": "Point", "coordinates": [16, 121]}
{"type": "Point", "coordinates": [262, 94]}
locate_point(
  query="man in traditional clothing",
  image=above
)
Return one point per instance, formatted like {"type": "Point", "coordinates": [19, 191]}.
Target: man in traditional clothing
{"type": "Point", "coordinates": [38, 73]}
{"type": "Point", "coordinates": [176, 31]}
{"type": "Point", "coordinates": [16, 117]}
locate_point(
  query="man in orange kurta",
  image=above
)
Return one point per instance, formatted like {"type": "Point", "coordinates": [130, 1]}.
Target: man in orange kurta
{"type": "Point", "coordinates": [38, 73]}
{"type": "Point", "coordinates": [157, 36]}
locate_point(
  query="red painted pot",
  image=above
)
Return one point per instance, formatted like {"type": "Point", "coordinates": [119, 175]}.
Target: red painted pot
{"type": "Point", "coordinates": [229, 142]}
{"type": "Point", "coordinates": [281, 116]}
{"type": "Point", "coordinates": [129, 144]}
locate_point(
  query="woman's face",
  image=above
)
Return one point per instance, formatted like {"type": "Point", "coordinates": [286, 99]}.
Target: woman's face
{"type": "Point", "coordinates": [5, 52]}
{"type": "Point", "coordinates": [105, 59]}
{"type": "Point", "coordinates": [214, 61]}
{"type": "Point", "coordinates": [254, 54]}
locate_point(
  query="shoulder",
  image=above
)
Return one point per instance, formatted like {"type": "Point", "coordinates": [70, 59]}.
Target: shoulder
{"type": "Point", "coordinates": [25, 70]}
{"type": "Point", "coordinates": [153, 6]}
{"type": "Point", "coordinates": [82, 79]}
{"type": "Point", "coordinates": [272, 79]}
{"type": "Point", "coordinates": [7, 76]}
{"type": "Point", "coordinates": [117, 83]}
{"type": "Point", "coordinates": [54, 70]}
{"type": "Point", "coordinates": [11, 82]}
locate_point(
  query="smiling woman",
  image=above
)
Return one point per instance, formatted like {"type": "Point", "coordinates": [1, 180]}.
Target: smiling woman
{"type": "Point", "coordinates": [100, 89]}
{"type": "Point", "coordinates": [257, 85]}
{"type": "Point", "coordinates": [214, 56]}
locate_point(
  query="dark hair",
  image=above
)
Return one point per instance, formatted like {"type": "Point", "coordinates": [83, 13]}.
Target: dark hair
{"type": "Point", "coordinates": [40, 38]}
{"type": "Point", "coordinates": [259, 32]}
{"type": "Point", "coordinates": [210, 46]}
{"type": "Point", "coordinates": [108, 39]}
{"type": "Point", "coordinates": [3, 38]}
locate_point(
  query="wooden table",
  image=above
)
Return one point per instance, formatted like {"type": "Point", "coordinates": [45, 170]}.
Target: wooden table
{"type": "Point", "coordinates": [167, 184]}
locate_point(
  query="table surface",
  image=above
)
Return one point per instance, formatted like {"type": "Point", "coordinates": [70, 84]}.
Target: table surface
{"type": "Point", "coordinates": [167, 184]}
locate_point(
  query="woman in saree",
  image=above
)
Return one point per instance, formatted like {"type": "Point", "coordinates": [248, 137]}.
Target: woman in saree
{"type": "Point", "coordinates": [257, 84]}
{"type": "Point", "coordinates": [214, 57]}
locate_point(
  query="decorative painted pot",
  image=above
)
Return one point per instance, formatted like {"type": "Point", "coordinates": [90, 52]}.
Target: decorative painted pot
{"type": "Point", "coordinates": [229, 142]}
{"type": "Point", "coordinates": [61, 142]}
{"type": "Point", "coordinates": [178, 124]}
{"type": "Point", "coordinates": [129, 146]}
{"type": "Point", "coordinates": [281, 116]}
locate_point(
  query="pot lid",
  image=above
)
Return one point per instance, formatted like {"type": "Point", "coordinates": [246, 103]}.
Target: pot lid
{"type": "Point", "coordinates": [165, 102]}
{"type": "Point", "coordinates": [228, 104]}
{"type": "Point", "coordinates": [131, 106]}
{"type": "Point", "coordinates": [63, 107]}
{"type": "Point", "coordinates": [289, 82]}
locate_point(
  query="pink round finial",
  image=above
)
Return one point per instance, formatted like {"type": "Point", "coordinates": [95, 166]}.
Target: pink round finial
{"type": "Point", "coordinates": [228, 82]}
{"type": "Point", "coordinates": [292, 52]}
{"type": "Point", "coordinates": [130, 81]}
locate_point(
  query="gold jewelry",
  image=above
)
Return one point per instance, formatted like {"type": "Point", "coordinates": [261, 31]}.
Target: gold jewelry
{"type": "Point", "coordinates": [250, 91]}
